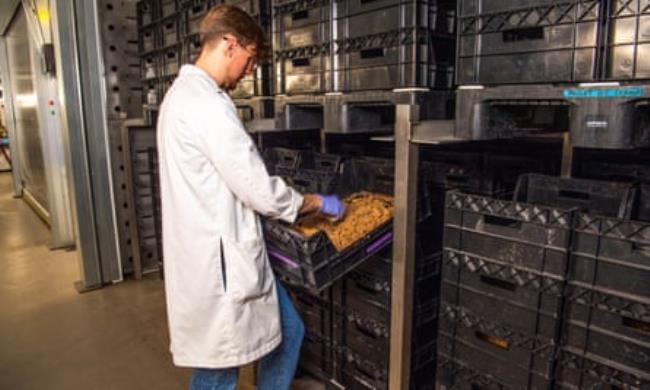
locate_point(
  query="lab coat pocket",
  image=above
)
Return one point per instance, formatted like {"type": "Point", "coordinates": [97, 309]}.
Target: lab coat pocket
{"type": "Point", "coordinates": [248, 274]}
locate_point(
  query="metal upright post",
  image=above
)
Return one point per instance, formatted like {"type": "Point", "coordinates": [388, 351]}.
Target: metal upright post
{"type": "Point", "coordinates": [567, 155]}
{"type": "Point", "coordinates": [406, 166]}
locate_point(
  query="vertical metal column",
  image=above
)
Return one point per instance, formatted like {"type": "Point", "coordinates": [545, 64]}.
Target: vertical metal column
{"type": "Point", "coordinates": [406, 165]}
{"type": "Point", "coordinates": [94, 96]}
{"type": "Point", "coordinates": [73, 129]}
{"type": "Point", "coordinates": [83, 99]}
{"type": "Point", "coordinates": [567, 155]}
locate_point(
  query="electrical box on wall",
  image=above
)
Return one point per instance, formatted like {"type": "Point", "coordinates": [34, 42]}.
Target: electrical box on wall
{"type": "Point", "coordinates": [48, 64]}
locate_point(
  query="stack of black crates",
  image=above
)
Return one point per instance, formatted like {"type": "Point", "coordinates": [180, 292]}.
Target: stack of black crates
{"type": "Point", "coordinates": [348, 323]}
{"type": "Point", "coordinates": [144, 168]}
{"type": "Point", "coordinates": [337, 60]}
{"type": "Point", "coordinates": [572, 66]}
{"type": "Point", "coordinates": [169, 37]}
{"type": "Point", "coordinates": [547, 289]}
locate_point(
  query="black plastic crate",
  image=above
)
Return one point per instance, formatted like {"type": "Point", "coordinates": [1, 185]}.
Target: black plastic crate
{"type": "Point", "coordinates": [402, 58]}
{"type": "Point", "coordinates": [170, 61]}
{"type": "Point", "coordinates": [303, 70]}
{"type": "Point", "coordinates": [519, 298]}
{"type": "Point", "coordinates": [502, 171]}
{"type": "Point", "coordinates": [388, 44]}
{"type": "Point", "coordinates": [375, 317]}
{"type": "Point", "coordinates": [317, 356]}
{"type": "Point", "coordinates": [313, 261]}
{"type": "Point", "coordinates": [510, 345]}
{"type": "Point", "coordinates": [356, 372]}
{"type": "Point", "coordinates": [315, 312]}
{"type": "Point", "coordinates": [194, 12]}
{"type": "Point", "coordinates": [170, 30]}
{"type": "Point", "coordinates": [499, 373]}
{"type": "Point", "coordinates": [289, 162]}
{"type": "Point", "coordinates": [191, 48]}
{"type": "Point", "coordinates": [627, 40]}
{"type": "Point", "coordinates": [612, 254]}
{"type": "Point", "coordinates": [455, 170]}
{"type": "Point", "coordinates": [631, 353]}
{"type": "Point", "coordinates": [457, 375]}
{"type": "Point", "coordinates": [361, 17]}
{"type": "Point", "coordinates": [149, 67]}
{"type": "Point", "coordinates": [515, 233]}
{"type": "Point", "coordinates": [257, 84]}
{"type": "Point", "coordinates": [375, 288]}
{"type": "Point", "coordinates": [147, 12]}
{"type": "Point", "coordinates": [528, 42]}
{"type": "Point", "coordinates": [371, 339]}
{"type": "Point", "coordinates": [578, 370]}
{"type": "Point", "coordinates": [598, 197]}
{"type": "Point", "coordinates": [148, 39]}
{"type": "Point", "coordinates": [302, 45]}
{"type": "Point", "coordinates": [169, 7]}
{"type": "Point", "coordinates": [613, 165]}
{"type": "Point", "coordinates": [300, 23]}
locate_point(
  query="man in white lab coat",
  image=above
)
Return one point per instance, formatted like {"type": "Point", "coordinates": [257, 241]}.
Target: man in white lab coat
{"type": "Point", "coordinates": [225, 308]}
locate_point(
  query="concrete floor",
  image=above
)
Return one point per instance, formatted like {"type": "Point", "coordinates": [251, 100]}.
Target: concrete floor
{"type": "Point", "coordinates": [51, 337]}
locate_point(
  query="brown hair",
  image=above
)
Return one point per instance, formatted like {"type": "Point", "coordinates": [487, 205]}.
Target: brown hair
{"type": "Point", "coordinates": [227, 19]}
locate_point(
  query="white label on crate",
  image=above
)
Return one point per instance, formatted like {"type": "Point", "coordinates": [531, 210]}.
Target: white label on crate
{"type": "Point", "coordinates": [597, 124]}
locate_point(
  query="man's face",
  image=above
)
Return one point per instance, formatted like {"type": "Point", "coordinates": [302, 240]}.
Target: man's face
{"type": "Point", "coordinates": [243, 61]}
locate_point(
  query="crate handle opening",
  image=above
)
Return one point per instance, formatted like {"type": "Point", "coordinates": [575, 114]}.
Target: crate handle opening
{"type": "Point", "coordinates": [635, 324]}
{"type": "Point", "coordinates": [368, 284]}
{"type": "Point", "coordinates": [372, 53]}
{"type": "Point", "coordinates": [641, 249]}
{"type": "Point", "coordinates": [492, 340]}
{"type": "Point", "coordinates": [171, 54]}
{"type": "Point", "coordinates": [325, 164]}
{"type": "Point", "coordinates": [301, 183]}
{"type": "Point", "coordinates": [385, 177]}
{"type": "Point", "coordinates": [502, 221]}
{"type": "Point", "coordinates": [367, 369]}
{"type": "Point", "coordinates": [365, 330]}
{"type": "Point", "coordinates": [298, 62]}
{"type": "Point", "coordinates": [367, 1]}
{"type": "Point", "coordinates": [502, 284]}
{"type": "Point", "coordinates": [579, 195]}
{"type": "Point", "coordinates": [457, 178]}
{"type": "Point", "coordinates": [523, 34]}
{"type": "Point", "coordinates": [300, 15]}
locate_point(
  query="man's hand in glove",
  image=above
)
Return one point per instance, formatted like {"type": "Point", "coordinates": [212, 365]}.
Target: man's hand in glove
{"type": "Point", "coordinates": [328, 205]}
{"type": "Point", "coordinates": [331, 207]}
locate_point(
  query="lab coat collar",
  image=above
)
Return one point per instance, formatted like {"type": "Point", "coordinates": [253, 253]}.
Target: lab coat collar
{"type": "Point", "coordinates": [189, 69]}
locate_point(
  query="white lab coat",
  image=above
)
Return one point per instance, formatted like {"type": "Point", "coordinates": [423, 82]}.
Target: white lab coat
{"type": "Point", "coordinates": [222, 312]}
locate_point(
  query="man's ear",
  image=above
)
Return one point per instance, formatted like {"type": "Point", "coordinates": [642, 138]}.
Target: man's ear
{"type": "Point", "coordinates": [229, 47]}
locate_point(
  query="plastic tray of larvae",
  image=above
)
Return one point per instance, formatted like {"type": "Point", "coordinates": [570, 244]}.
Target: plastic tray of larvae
{"type": "Point", "coordinates": [315, 251]}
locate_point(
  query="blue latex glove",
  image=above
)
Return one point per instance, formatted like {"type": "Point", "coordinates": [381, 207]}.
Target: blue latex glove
{"type": "Point", "coordinates": [331, 206]}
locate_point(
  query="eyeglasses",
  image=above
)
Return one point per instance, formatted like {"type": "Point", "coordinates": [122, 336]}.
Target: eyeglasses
{"type": "Point", "coordinates": [252, 57]}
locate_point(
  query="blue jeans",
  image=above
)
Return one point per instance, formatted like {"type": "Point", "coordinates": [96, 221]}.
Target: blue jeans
{"type": "Point", "coordinates": [275, 370]}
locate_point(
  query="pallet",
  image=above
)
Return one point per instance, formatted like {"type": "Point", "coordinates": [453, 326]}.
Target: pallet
{"type": "Point", "coordinates": [607, 116]}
